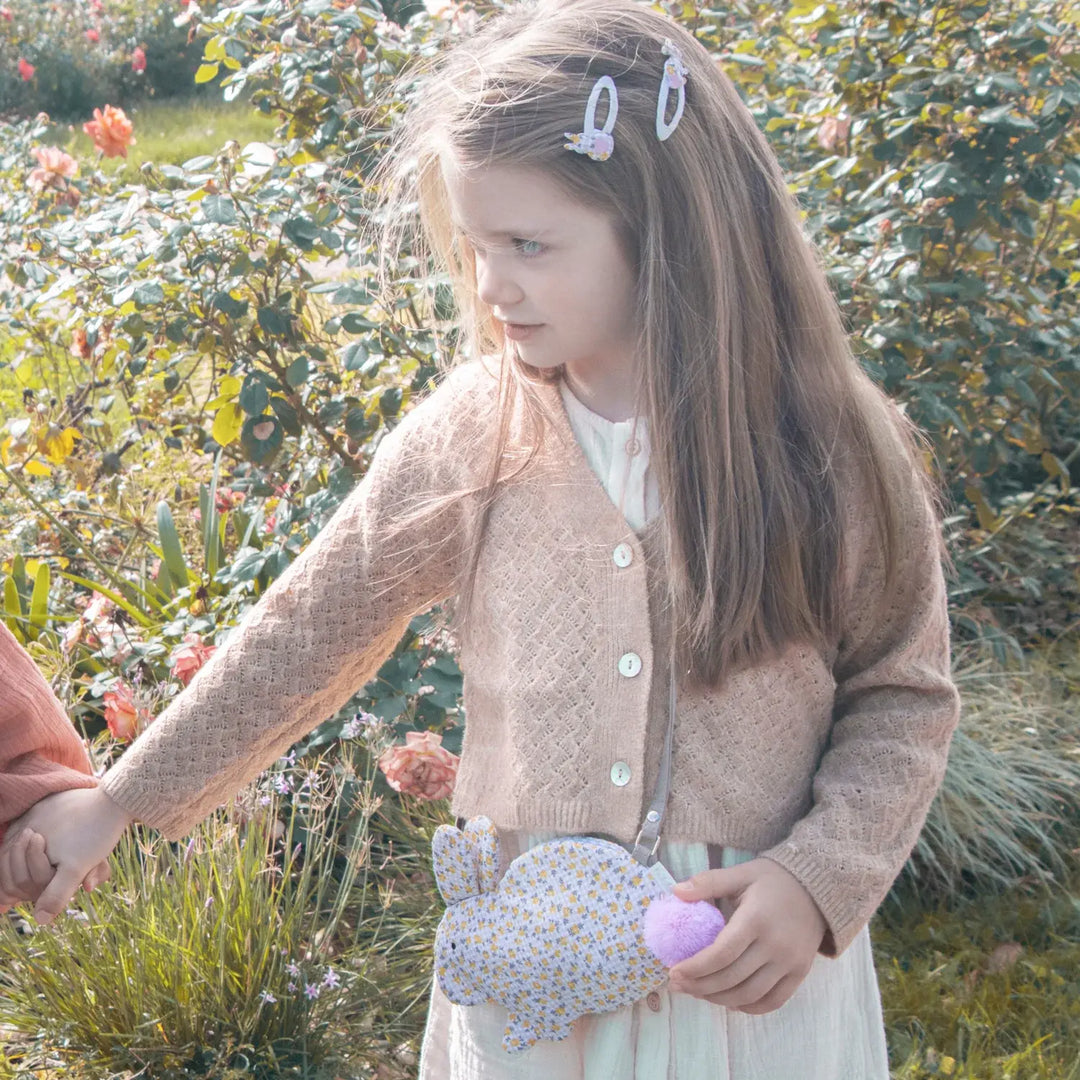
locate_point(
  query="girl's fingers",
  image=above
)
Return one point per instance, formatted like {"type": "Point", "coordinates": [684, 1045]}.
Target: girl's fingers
{"type": "Point", "coordinates": [750, 991]}
{"type": "Point", "coordinates": [37, 863]}
{"type": "Point", "coordinates": [100, 874]}
{"type": "Point", "coordinates": [720, 979]}
{"type": "Point", "coordinates": [777, 996]}
{"type": "Point", "coordinates": [730, 945]}
{"type": "Point", "coordinates": [13, 871]}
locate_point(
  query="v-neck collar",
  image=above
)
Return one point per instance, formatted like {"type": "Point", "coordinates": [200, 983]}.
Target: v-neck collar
{"type": "Point", "coordinates": [579, 464]}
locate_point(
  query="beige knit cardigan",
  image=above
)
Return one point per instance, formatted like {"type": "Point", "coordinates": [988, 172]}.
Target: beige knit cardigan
{"type": "Point", "coordinates": [824, 760]}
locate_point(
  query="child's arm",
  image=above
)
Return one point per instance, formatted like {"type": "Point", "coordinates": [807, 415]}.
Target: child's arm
{"type": "Point", "coordinates": [318, 634]}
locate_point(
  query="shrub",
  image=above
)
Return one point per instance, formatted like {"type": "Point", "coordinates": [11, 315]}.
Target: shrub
{"type": "Point", "coordinates": [82, 53]}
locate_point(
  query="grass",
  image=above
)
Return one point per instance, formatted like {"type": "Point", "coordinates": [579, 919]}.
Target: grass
{"type": "Point", "coordinates": [983, 988]}
{"type": "Point", "coordinates": [172, 132]}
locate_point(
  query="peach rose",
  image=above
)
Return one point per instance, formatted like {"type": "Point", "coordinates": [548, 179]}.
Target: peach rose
{"type": "Point", "coordinates": [54, 169]}
{"type": "Point", "coordinates": [422, 767]}
{"type": "Point", "coordinates": [124, 717]}
{"type": "Point", "coordinates": [189, 657]}
{"type": "Point", "coordinates": [111, 131]}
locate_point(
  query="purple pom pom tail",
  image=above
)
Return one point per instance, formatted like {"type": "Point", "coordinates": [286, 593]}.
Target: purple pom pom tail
{"type": "Point", "coordinates": [675, 929]}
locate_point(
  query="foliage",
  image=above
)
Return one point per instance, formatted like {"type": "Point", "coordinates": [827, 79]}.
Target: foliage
{"type": "Point", "coordinates": [258, 948]}
{"type": "Point", "coordinates": [83, 54]}
{"type": "Point", "coordinates": [935, 149]}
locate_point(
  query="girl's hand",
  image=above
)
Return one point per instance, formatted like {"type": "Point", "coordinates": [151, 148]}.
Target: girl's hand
{"type": "Point", "coordinates": [24, 867]}
{"type": "Point", "coordinates": [768, 945]}
{"type": "Point", "coordinates": [79, 828]}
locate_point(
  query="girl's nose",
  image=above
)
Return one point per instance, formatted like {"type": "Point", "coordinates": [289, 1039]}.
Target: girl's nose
{"type": "Point", "coordinates": [494, 285]}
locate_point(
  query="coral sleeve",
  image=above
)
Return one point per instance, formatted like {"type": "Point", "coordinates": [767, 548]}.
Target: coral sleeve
{"type": "Point", "coordinates": [40, 751]}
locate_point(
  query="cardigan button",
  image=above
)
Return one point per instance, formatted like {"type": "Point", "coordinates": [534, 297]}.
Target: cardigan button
{"type": "Point", "coordinates": [633, 447]}
{"type": "Point", "coordinates": [629, 664]}
{"type": "Point", "coordinates": [620, 774]}
{"type": "Point", "coordinates": [622, 556]}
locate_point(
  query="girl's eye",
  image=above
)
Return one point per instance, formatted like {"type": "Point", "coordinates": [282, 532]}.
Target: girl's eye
{"type": "Point", "coordinates": [528, 248]}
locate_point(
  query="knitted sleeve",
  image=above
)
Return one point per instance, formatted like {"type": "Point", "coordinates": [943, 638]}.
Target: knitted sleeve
{"type": "Point", "coordinates": [895, 710]}
{"type": "Point", "coordinates": [318, 634]}
{"type": "Point", "coordinates": [40, 752]}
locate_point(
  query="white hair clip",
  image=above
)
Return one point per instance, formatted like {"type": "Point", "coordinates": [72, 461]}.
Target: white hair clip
{"type": "Point", "coordinates": [674, 78]}
{"type": "Point", "coordinates": [597, 142]}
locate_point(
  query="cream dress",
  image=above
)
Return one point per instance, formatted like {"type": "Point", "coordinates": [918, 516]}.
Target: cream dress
{"type": "Point", "coordinates": [830, 1029]}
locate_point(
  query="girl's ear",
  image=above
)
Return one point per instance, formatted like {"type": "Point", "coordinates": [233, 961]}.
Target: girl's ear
{"type": "Point", "coordinates": [454, 858]}
{"type": "Point", "coordinates": [486, 838]}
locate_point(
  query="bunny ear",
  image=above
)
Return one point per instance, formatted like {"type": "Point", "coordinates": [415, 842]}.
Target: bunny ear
{"type": "Point", "coordinates": [454, 857]}
{"type": "Point", "coordinates": [486, 838]}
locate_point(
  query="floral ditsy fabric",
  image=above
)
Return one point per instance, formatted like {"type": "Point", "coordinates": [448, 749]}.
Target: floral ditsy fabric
{"type": "Point", "coordinates": [560, 935]}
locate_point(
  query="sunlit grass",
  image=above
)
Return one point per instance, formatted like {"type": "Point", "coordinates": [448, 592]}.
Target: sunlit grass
{"type": "Point", "coordinates": [172, 132]}
{"type": "Point", "coordinates": [983, 988]}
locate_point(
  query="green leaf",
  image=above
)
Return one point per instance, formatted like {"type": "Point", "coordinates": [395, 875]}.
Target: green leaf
{"type": "Point", "coordinates": [288, 416]}
{"type": "Point", "coordinates": [262, 437]}
{"type": "Point", "coordinates": [13, 607]}
{"type": "Point", "coordinates": [229, 304]}
{"type": "Point", "coordinates": [298, 372]}
{"type": "Point", "coordinates": [253, 396]}
{"type": "Point", "coordinates": [219, 209]}
{"type": "Point", "coordinates": [302, 231]}
{"type": "Point", "coordinates": [274, 322]}
{"type": "Point", "coordinates": [171, 552]}
{"type": "Point", "coordinates": [149, 292]}
{"type": "Point", "coordinates": [39, 601]}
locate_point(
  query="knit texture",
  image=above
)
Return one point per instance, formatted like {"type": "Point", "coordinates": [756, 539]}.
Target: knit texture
{"type": "Point", "coordinates": [824, 760]}
{"type": "Point", "coordinates": [40, 752]}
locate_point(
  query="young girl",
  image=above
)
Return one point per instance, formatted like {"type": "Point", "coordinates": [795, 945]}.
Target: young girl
{"type": "Point", "coordinates": [667, 447]}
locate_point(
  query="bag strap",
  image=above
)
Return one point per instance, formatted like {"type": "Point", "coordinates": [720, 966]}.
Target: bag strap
{"type": "Point", "coordinates": [647, 842]}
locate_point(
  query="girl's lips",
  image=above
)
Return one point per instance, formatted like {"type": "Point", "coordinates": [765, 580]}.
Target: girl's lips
{"type": "Point", "coordinates": [520, 331]}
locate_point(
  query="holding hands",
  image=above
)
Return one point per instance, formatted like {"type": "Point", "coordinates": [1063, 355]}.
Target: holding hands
{"type": "Point", "coordinates": [60, 843]}
{"type": "Point", "coordinates": [767, 947]}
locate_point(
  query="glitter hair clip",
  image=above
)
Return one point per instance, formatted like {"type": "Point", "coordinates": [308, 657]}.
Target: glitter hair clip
{"type": "Point", "coordinates": [597, 142]}
{"type": "Point", "coordinates": [674, 78]}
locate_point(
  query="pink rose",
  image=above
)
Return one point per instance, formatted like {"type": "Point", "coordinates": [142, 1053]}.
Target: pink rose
{"type": "Point", "coordinates": [422, 767]}
{"type": "Point", "coordinates": [124, 717]}
{"type": "Point", "coordinates": [92, 35]}
{"type": "Point", "coordinates": [54, 169]}
{"type": "Point", "coordinates": [138, 59]}
{"type": "Point", "coordinates": [26, 69]}
{"type": "Point", "coordinates": [189, 657]}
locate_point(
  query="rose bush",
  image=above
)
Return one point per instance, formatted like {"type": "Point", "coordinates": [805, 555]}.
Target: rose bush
{"type": "Point", "coordinates": [58, 57]}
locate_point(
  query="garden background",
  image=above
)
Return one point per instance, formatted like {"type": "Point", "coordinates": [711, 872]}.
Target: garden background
{"type": "Point", "coordinates": [197, 363]}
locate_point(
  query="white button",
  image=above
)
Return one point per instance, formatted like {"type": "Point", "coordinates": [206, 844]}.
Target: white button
{"type": "Point", "coordinates": [629, 664]}
{"type": "Point", "coordinates": [633, 447]}
{"type": "Point", "coordinates": [623, 555]}
{"type": "Point", "coordinates": [620, 774]}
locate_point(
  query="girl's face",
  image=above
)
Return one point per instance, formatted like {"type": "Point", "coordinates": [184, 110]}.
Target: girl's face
{"type": "Point", "coordinates": [552, 270]}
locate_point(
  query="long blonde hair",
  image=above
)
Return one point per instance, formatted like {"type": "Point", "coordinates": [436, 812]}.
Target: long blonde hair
{"type": "Point", "coordinates": [752, 394]}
